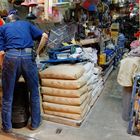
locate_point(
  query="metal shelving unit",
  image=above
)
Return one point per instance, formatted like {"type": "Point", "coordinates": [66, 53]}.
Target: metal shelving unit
{"type": "Point", "coordinates": [61, 33]}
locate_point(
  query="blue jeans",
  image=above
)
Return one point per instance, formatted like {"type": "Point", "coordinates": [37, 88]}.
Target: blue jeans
{"type": "Point", "coordinates": [17, 63]}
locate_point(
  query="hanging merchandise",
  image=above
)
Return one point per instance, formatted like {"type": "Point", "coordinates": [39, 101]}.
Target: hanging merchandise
{"type": "Point", "coordinates": [4, 8]}
{"type": "Point", "coordinates": [90, 5]}
{"type": "Point", "coordinates": [121, 3]}
{"type": "Point", "coordinates": [25, 3]}
{"type": "Point", "coordinates": [103, 14]}
{"type": "Point", "coordinates": [40, 1]}
{"type": "Point", "coordinates": [133, 9]}
{"type": "Point", "coordinates": [56, 15]}
{"type": "Point", "coordinates": [31, 4]}
{"type": "Point", "coordinates": [101, 7]}
{"type": "Point", "coordinates": [48, 8]}
{"type": "Point", "coordinates": [136, 43]}
{"type": "Point", "coordinates": [137, 34]}
{"type": "Point", "coordinates": [114, 30]}
{"type": "Point", "coordinates": [39, 12]}
{"type": "Point", "coordinates": [135, 46]}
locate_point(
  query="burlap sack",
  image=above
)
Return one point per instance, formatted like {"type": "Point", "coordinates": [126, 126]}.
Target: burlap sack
{"type": "Point", "coordinates": [68, 115]}
{"type": "Point", "coordinates": [64, 92]}
{"type": "Point", "coordinates": [65, 84]}
{"type": "Point", "coordinates": [65, 100]}
{"type": "Point", "coordinates": [68, 72]}
{"type": "Point", "coordinates": [65, 108]}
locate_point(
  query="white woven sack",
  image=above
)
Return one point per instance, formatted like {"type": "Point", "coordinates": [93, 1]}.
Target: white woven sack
{"type": "Point", "coordinates": [88, 66]}
{"type": "Point", "coordinates": [89, 73]}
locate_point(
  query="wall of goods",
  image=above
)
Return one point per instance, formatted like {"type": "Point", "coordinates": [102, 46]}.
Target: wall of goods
{"type": "Point", "coordinates": [86, 41]}
{"type": "Point", "coordinates": [4, 8]}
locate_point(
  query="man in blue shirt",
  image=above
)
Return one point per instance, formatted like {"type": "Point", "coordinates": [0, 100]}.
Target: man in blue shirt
{"type": "Point", "coordinates": [17, 40]}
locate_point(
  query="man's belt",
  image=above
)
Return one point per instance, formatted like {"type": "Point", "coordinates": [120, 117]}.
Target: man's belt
{"type": "Point", "coordinates": [28, 50]}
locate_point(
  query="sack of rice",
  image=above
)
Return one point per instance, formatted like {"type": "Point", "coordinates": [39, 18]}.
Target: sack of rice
{"type": "Point", "coordinates": [65, 84]}
{"type": "Point", "coordinates": [67, 72]}
{"type": "Point", "coordinates": [65, 108]}
{"type": "Point", "coordinates": [68, 115]}
{"type": "Point", "coordinates": [73, 93]}
{"type": "Point", "coordinates": [65, 100]}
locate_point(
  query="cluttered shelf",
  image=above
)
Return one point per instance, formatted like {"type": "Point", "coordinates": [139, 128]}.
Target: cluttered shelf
{"type": "Point", "coordinates": [109, 61]}
{"type": "Point", "coordinates": [89, 41]}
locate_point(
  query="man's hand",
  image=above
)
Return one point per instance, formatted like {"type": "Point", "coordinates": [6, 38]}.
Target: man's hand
{"type": "Point", "coordinates": [42, 43]}
{"type": "Point", "coordinates": [1, 57]}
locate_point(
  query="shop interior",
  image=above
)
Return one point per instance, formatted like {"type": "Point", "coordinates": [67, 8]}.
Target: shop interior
{"type": "Point", "coordinates": [89, 74]}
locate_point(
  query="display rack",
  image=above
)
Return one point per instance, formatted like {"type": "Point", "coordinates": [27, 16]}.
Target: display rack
{"type": "Point", "coordinates": [61, 33]}
{"type": "Point", "coordinates": [110, 60]}
{"type": "Point", "coordinates": [108, 64]}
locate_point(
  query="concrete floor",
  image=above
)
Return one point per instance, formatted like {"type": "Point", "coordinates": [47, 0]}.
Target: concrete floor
{"type": "Point", "coordinates": [104, 121]}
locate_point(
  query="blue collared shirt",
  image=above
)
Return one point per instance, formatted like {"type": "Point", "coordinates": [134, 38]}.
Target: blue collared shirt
{"type": "Point", "coordinates": [18, 34]}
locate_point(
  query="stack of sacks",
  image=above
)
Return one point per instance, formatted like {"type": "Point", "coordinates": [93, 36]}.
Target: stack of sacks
{"type": "Point", "coordinates": [98, 81]}
{"type": "Point", "coordinates": [64, 91]}
{"type": "Point", "coordinates": [90, 54]}
{"type": "Point", "coordinates": [89, 74]}
{"type": "Point", "coordinates": [95, 81]}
